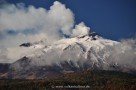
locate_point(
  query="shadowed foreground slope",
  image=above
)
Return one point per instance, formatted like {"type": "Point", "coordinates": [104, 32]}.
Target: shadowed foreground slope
{"type": "Point", "coordinates": [93, 80]}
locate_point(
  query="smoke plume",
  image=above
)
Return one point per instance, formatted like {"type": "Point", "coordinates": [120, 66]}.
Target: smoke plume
{"type": "Point", "coordinates": [20, 24]}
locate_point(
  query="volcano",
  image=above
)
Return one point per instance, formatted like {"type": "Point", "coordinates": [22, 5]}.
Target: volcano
{"type": "Point", "coordinates": [75, 54]}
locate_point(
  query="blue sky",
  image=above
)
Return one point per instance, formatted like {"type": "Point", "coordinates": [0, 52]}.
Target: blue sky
{"type": "Point", "coordinates": [113, 19]}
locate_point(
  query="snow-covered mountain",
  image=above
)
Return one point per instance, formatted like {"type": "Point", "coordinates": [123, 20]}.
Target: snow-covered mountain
{"type": "Point", "coordinates": [86, 48]}
{"type": "Point", "coordinates": [90, 51]}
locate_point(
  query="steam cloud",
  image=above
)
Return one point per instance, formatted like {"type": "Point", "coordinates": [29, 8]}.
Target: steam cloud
{"type": "Point", "coordinates": [80, 29]}
{"type": "Point", "coordinates": [20, 24]}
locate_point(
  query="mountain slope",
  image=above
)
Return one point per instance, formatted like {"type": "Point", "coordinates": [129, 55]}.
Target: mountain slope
{"type": "Point", "coordinates": [93, 80]}
{"type": "Point", "coordinates": [84, 52]}
{"type": "Point", "coordinates": [66, 55]}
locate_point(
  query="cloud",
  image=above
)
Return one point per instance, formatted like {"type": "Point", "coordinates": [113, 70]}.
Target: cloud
{"type": "Point", "coordinates": [80, 30]}
{"type": "Point", "coordinates": [19, 24]}
{"type": "Point", "coordinates": [124, 54]}
{"type": "Point", "coordinates": [34, 22]}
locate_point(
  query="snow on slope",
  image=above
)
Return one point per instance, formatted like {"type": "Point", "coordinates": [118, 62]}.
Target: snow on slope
{"type": "Point", "coordinates": [73, 54]}
{"type": "Point", "coordinates": [83, 51]}
{"type": "Point", "coordinates": [10, 55]}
